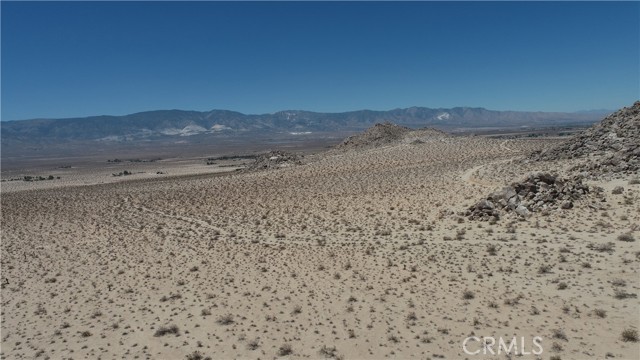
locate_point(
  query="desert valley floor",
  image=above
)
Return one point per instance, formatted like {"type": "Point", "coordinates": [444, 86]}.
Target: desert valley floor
{"type": "Point", "coordinates": [352, 253]}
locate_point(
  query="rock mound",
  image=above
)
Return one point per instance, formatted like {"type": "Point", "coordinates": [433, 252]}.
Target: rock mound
{"type": "Point", "coordinates": [377, 135]}
{"type": "Point", "coordinates": [274, 160]}
{"type": "Point", "coordinates": [387, 133]}
{"type": "Point", "coordinates": [611, 146]}
{"type": "Point", "coordinates": [538, 191]}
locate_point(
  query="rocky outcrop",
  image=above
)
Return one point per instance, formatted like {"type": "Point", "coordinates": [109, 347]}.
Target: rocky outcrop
{"type": "Point", "coordinates": [537, 192]}
{"type": "Point", "coordinates": [609, 147]}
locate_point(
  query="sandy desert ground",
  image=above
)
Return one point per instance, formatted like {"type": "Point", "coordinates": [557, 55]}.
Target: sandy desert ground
{"type": "Point", "coordinates": [362, 254]}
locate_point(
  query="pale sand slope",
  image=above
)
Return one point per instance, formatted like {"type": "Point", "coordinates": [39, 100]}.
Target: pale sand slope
{"type": "Point", "coordinates": [361, 251]}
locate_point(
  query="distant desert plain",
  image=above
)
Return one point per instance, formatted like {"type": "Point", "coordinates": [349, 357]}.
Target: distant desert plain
{"type": "Point", "coordinates": [394, 243]}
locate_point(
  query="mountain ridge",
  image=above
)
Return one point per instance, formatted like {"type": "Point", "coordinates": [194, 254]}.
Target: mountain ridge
{"type": "Point", "coordinates": [162, 123]}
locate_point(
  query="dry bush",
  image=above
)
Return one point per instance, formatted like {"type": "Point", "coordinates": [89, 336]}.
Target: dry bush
{"type": "Point", "coordinates": [164, 330]}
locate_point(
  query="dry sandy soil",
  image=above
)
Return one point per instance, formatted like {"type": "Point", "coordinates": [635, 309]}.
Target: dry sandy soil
{"type": "Point", "coordinates": [354, 255]}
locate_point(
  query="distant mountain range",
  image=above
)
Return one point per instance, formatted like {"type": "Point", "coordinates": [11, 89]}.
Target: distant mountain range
{"type": "Point", "coordinates": [165, 124]}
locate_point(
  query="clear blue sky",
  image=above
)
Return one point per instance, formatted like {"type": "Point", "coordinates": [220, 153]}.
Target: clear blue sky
{"type": "Point", "coordinates": [88, 58]}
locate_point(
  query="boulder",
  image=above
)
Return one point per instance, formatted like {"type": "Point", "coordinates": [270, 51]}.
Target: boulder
{"type": "Point", "coordinates": [522, 211]}
{"type": "Point", "coordinates": [566, 205]}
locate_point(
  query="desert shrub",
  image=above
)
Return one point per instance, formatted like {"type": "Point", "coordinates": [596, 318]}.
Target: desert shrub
{"type": "Point", "coordinates": [197, 355]}
{"type": "Point", "coordinates": [618, 282]}
{"type": "Point", "coordinates": [630, 335]}
{"type": "Point", "coordinates": [328, 352]}
{"type": "Point", "coordinates": [626, 237]}
{"type": "Point", "coordinates": [621, 294]}
{"type": "Point", "coordinates": [600, 313]}
{"type": "Point", "coordinates": [253, 344]}
{"type": "Point", "coordinates": [40, 310]}
{"type": "Point", "coordinates": [534, 311]}
{"type": "Point", "coordinates": [559, 334]}
{"type": "Point", "coordinates": [285, 349]}
{"type": "Point", "coordinates": [607, 247]}
{"type": "Point", "coordinates": [514, 301]}
{"type": "Point", "coordinates": [225, 319]}
{"type": "Point", "coordinates": [468, 295]}
{"type": "Point", "coordinates": [544, 269]}
{"type": "Point", "coordinates": [164, 330]}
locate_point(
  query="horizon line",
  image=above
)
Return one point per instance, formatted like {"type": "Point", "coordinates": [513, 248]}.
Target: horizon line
{"type": "Point", "coordinates": [311, 111]}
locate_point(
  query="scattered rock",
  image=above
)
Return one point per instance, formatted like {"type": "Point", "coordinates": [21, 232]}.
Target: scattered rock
{"type": "Point", "coordinates": [538, 191]}
{"type": "Point", "coordinates": [567, 204]}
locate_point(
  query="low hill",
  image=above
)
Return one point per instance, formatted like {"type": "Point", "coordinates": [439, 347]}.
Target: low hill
{"type": "Point", "coordinates": [388, 133]}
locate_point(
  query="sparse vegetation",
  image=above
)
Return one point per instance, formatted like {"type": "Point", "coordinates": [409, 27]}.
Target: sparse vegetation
{"type": "Point", "coordinates": [285, 349]}
{"type": "Point", "coordinates": [559, 334]}
{"type": "Point", "coordinates": [328, 352]}
{"type": "Point", "coordinates": [544, 269]}
{"type": "Point", "coordinates": [468, 295]}
{"type": "Point", "coordinates": [225, 319]}
{"type": "Point", "coordinates": [253, 344]}
{"type": "Point", "coordinates": [626, 237]}
{"type": "Point", "coordinates": [197, 355]}
{"type": "Point", "coordinates": [367, 253]}
{"type": "Point", "coordinates": [630, 335]}
{"type": "Point", "coordinates": [167, 330]}
{"type": "Point", "coordinates": [600, 313]}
